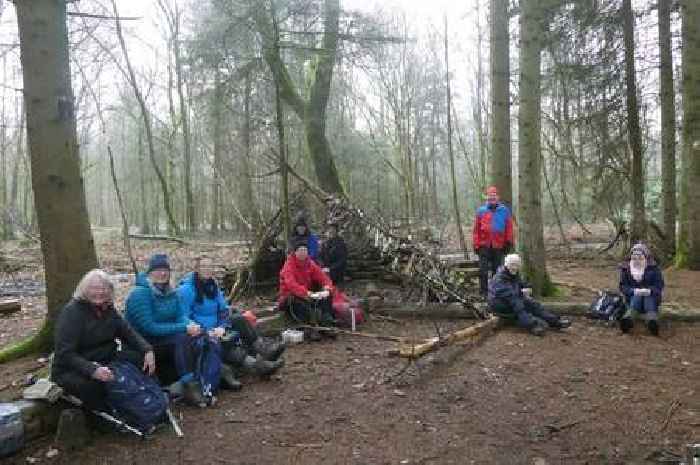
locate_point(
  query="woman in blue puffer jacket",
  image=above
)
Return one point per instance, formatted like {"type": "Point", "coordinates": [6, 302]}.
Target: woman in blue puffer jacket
{"type": "Point", "coordinates": [205, 304]}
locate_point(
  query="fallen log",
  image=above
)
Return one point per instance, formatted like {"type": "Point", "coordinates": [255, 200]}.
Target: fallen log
{"type": "Point", "coordinates": [479, 329]}
{"type": "Point", "coordinates": [156, 237]}
{"type": "Point", "coordinates": [581, 309]}
{"type": "Point", "coordinates": [455, 311]}
{"type": "Point", "coordinates": [8, 307]}
{"type": "Point", "coordinates": [431, 311]}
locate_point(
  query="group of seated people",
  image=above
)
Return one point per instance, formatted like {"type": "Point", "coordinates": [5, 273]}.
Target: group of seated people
{"type": "Point", "coordinates": [641, 285]}
{"type": "Point", "coordinates": [162, 323]}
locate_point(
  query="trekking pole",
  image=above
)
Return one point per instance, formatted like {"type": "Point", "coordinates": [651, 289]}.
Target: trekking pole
{"type": "Point", "coordinates": [173, 422]}
{"type": "Point", "coordinates": [104, 415]}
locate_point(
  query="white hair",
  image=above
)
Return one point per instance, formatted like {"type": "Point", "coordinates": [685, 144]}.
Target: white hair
{"type": "Point", "coordinates": [90, 277]}
{"type": "Point", "coordinates": [512, 259]}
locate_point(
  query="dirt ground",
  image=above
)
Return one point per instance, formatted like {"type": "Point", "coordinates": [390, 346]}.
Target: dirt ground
{"type": "Point", "coordinates": [582, 396]}
{"type": "Point", "coordinates": [586, 395]}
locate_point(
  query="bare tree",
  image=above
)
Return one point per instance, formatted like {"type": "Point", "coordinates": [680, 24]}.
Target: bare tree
{"type": "Point", "coordinates": [500, 101]}
{"type": "Point", "coordinates": [66, 240]}
{"type": "Point", "coordinates": [691, 125]}
{"type": "Point", "coordinates": [634, 132]}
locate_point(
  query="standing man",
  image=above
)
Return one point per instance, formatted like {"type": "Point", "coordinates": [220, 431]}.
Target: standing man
{"type": "Point", "coordinates": [492, 237]}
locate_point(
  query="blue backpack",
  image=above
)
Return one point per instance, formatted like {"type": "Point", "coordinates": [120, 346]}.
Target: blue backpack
{"type": "Point", "coordinates": [608, 306]}
{"type": "Point", "coordinates": [208, 365]}
{"type": "Point", "coordinates": [135, 397]}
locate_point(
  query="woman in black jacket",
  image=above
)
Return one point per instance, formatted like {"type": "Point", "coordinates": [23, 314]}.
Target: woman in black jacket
{"type": "Point", "coordinates": [85, 341]}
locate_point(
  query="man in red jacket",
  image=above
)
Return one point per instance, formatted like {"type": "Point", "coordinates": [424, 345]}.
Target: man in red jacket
{"type": "Point", "coordinates": [492, 237]}
{"type": "Point", "coordinates": [305, 290]}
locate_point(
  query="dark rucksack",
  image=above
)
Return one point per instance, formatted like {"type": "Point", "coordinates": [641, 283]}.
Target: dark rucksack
{"type": "Point", "coordinates": [608, 306]}
{"type": "Point", "coordinates": [208, 365]}
{"type": "Point", "coordinates": [135, 397]}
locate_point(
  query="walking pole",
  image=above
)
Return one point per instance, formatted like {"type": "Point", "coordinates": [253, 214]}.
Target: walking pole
{"type": "Point", "coordinates": [104, 415]}
{"type": "Point", "coordinates": [173, 422]}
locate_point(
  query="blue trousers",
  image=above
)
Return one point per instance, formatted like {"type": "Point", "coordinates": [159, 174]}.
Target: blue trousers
{"type": "Point", "coordinates": [173, 351]}
{"type": "Point", "coordinates": [524, 313]}
{"type": "Point", "coordinates": [646, 306]}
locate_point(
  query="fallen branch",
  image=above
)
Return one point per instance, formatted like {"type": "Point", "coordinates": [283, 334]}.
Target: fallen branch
{"type": "Point", "coordinates": [8, 307]}
{"type": "Point", "coordinates": [156, 237]}
{"type": "Point", "coordinates": [415, 351]}
{"type": "Point", "coordinates": [672, 409]}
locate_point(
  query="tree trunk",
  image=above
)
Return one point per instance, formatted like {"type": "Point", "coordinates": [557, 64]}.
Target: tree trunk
{"type": "Point", "coordinates": [691, 124]}
{"type": "Point", "coordinates": [145, 225]}
{"type": "Point", "coordinates": [500, 101]}
{"type": "Point", "coordinates": [634, 133]}
{"type": "Point", "coordinates": [216, 197]}
{"type": "Point", "coordinates": [531, 234]}
{"type": "Point", "coordinates": [251, 210]}
{"type": "Point", "coordinates": [668, 125]}
{"type": "Point", "coordinates": [191, 220]}
{"type": "Point", "coordinates": [66, 240]}
{"type": "Point", "coordinates": [311, 112]}
{"type": "Point", "coordinates": [172, 224]}
{"type": "Point", "coordinates": [455, 202]}
{"type": "Point", "coordinates": [14, 188]}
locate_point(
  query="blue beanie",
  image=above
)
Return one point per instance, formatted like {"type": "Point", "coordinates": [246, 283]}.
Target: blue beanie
{"type": "Point", "coordinates": [158, 261]}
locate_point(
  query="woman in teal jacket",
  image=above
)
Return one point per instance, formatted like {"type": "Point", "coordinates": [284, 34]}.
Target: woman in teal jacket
{"type": "Point", "coordinates": [154, 309]}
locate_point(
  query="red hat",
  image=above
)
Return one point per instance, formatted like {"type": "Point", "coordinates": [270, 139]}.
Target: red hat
{"type": "Point", "coordinates": [492, 190]}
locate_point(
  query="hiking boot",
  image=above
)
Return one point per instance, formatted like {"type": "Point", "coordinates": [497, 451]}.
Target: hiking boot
{"type": "Point", "coordinates": [626, 325]}
{"type": "Point", "coordinates": [228, 378]}
{"type": "Point", "coordinates": [193, 394]}
{"type": "Point", "coordinates": [561, 323]}
{"type": "Point", "coordinates": [269, 350]}
{"type": "Point", "coordinates": [262, 367]}
{"type": "Point", "coordinates": [653, 327]}
{"type": "Point", "coordinates": [538, 330]}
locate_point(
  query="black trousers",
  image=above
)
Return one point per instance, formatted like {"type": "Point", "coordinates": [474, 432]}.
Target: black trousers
{"type": "Point", "coordinates": [247, 332]}
{"type": "Point", "coordinates": [489, 261]}
{"type": "Point", "coordinates": [310, 311]}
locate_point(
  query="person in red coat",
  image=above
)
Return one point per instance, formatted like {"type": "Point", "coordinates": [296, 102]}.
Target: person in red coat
{"type": "Point", "coordinates": [305, 290]}
{"type": "Point", "coordinates": [492, 237]}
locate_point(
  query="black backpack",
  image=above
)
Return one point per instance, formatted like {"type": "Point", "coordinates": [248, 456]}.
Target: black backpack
{"type": "Point", "coordinates": [608, 306]}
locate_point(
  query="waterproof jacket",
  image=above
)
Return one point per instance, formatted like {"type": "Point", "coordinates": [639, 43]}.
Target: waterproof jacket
{"type": "Point", "coordinates": [297, 278]}
{"type": "Point", "coordinates": [493, 227]}
{"type": "Point", "coordinates": [209, 313]}
{"type": "Point", "coordinates": [506, 291]}
{"type": "Point", "coordinates": [334, 256]}
{"type": "Point", "coordinates": [651, 279]}
{"type": "Point", "coordinates": [154, 313]}
{"type": "Point", "coordinates": [83, 340]}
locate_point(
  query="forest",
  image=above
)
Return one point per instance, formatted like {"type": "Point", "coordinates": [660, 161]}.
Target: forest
{"type": "Point", "coordinates": [209, 127]}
